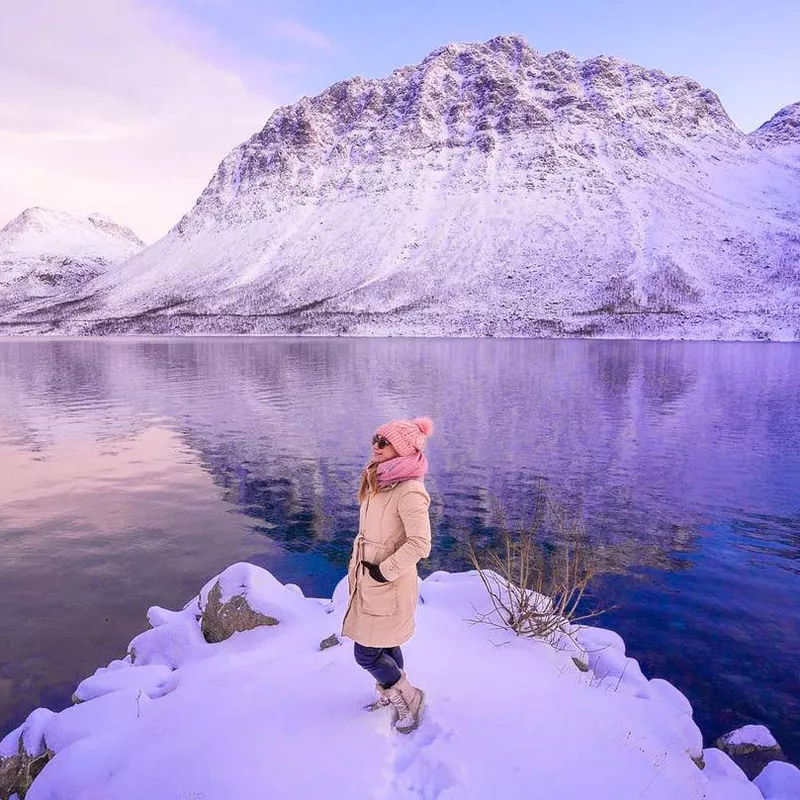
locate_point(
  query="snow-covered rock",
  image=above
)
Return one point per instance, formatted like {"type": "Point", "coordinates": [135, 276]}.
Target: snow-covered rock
{"type": "Point", "coordinates": [341, 597]}
{"type": "Point", "coordinates": [246, 597]}
{"type": "Point", "coordinates": [720, 763]}
{"type": "Point", "coordinates": [616, 672]}
{"type": "Point", "coordinates": [489, 190]}
{"type": "Point", "coordinates": [596, 640]}
{"type": "Point", "coordinates": [23, 753]}
{"type": "Point", "coordinates": [568, 643]}
{"type": "Point", "coordinates": [102, 714]}
{"type": "Point", "coordinates": [747, 739]}
{"type": "Point", "coordinates": [751, 747]}
{"type": "Point", "coordinates": [155, 680]}
{"type": "Point", "coordinates": [50, 254]}
{"type": "Point", "coordinates": [727, 780]}
{"type": "Point", "coordinates": [28, 738]}
{"type": "Point", "coordinates": [779, 781]}
{"type": "Point", "coordinates": [161, 616]}
{"type": "Point", "coordinates": [664, 692]}
{"type": "Point", "coordinates": [266, 713]}
{"type": "Point", "coordinates": [170, 645]}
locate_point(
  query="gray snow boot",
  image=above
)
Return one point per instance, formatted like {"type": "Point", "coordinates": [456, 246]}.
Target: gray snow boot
{"type": "Point", "coordinates": [408, 702]}
{"type": "Point", "coordinates": [382, 701]}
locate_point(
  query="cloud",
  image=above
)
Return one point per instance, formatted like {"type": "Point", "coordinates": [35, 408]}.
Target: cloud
{"type": "Point", "coordinates": [107, 105]}
{"type": "Point", "coordinates": [300, 34]}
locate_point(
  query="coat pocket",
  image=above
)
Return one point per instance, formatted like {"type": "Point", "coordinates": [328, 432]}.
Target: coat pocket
{"type": "Point", "coordinates": [378, 599]}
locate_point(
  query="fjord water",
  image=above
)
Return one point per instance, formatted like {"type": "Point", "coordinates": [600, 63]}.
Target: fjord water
{"type": "Point", "coordinates": [132, 470]}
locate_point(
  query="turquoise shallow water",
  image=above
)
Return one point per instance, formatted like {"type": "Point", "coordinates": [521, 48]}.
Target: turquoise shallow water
{"type": "Point", "coordinates": [135, 469]}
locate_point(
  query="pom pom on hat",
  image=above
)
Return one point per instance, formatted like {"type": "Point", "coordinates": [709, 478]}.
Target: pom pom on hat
{"type": "Point", "coordinates": [425, 425]}
{"type": "Point", "coordinates": [407, 435]}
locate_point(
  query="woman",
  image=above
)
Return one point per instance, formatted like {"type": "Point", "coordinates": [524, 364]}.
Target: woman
{"type": "Point", "coordinates": [394, 533]}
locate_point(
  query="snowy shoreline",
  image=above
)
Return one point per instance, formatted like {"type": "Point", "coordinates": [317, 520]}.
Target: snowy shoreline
{"type": "Point", "coordinates": [269, 712]}
{"type": "Point", "coordinates": [752, 329]}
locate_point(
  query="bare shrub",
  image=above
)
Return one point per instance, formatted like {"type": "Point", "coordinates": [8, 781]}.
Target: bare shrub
{"type": "Point", "coordinates": [537, 574]}
{"type": "Point", "coordinates": [618, 295]}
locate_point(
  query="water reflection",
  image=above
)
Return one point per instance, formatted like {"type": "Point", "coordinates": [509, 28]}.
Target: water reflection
{"type": "Point", "coordinates": [134, 469]}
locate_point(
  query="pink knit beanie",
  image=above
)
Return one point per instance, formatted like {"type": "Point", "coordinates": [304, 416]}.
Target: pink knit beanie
{"type": "Point", "coordinates": [407, 435]}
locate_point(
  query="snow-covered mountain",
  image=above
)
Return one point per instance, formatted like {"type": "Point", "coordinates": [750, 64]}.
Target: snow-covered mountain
{"type": "Point", "coordinates": [783, 130]}
{"type": "Point", "coordinates": [48, 254]}
{"type": "Point", "coordinates": [489, 190]}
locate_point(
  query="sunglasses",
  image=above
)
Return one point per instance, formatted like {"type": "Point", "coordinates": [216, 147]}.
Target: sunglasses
{"type": "Point", "coordinates": [379, 441]}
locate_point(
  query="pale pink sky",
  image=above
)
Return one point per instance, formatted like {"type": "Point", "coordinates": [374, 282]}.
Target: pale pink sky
{"type": "Point", "coordinates": [124, 108]}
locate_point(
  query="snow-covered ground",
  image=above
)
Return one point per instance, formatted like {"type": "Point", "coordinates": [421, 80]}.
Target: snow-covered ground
{"type": "Point", "coordinates": [267, 713]}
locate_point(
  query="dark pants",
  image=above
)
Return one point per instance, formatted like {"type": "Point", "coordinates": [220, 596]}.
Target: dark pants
{"type": "Point", "coordinates": [383, 663]}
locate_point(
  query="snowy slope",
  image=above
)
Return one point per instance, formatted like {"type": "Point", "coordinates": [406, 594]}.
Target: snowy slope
{"type": "Point", "coordinates": [488, 190]}
{"type": "Point", "coordinates": [267, 713]}
{"type": "Point", "coordinates": [46, 253]}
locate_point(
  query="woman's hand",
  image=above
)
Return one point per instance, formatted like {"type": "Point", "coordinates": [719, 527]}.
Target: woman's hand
{"type": "Point", "coordinates": [374, 571]}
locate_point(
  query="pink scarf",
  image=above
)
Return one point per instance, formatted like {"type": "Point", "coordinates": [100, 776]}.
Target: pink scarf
{"type": "Point", "coordinates": [402, 468]}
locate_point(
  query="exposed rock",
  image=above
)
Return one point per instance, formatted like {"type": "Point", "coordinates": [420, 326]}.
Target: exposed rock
{"type": "Point", "coordinates": [23, 754]}
{"type": "Point", "coordinates": [751, 748]}
{"type": "Point", "coordinates": [567, 642]}
{"type": "Point", "coordinates": [221, 620]}
{"type": "Point", "coordinates": [18, 772]}
{"type": "Point", "coordinates": [699, 761]}
{"type": "Point", "coordinates": [331, 641]}
{"type": "Point", "coordinates": [782, 130]}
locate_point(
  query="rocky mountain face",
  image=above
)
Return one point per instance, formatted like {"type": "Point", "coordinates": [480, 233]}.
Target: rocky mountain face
{"type": "Point", "coordinates": [783, 130]}
{"type": "Point", "coordinates": [49, 255]}
{"type": "Point", "coordinates": [489, 190]}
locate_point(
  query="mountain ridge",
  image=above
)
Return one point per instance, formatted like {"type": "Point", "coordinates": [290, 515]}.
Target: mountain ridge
{"type": "Point", "coordinates": [488, 190]}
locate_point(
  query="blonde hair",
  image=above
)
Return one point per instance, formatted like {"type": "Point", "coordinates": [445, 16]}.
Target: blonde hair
{"type": "Point", "coordinates": [369, 483]}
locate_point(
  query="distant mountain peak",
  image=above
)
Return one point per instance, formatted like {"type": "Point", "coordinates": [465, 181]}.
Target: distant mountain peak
{"type": "Point", "coordinates": [44, 252]}
{"type": "Point", "coordinates": [57, 225]}
{"type": "Point", "coordinates": [782, 129]}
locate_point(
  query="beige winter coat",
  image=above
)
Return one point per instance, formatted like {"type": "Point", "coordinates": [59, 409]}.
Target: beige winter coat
{"type": "Point", "coordinates": [394, 532]}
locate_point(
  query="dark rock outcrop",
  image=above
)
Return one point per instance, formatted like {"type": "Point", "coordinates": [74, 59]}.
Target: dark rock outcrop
{"type": "Point", "coordinates": [220, 620]}
{"type": "Point", "coordinates": [751, 748]}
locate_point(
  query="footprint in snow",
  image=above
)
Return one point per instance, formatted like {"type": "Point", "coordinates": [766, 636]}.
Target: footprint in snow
{"type": "Point", "coordinates": [421, 766]}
